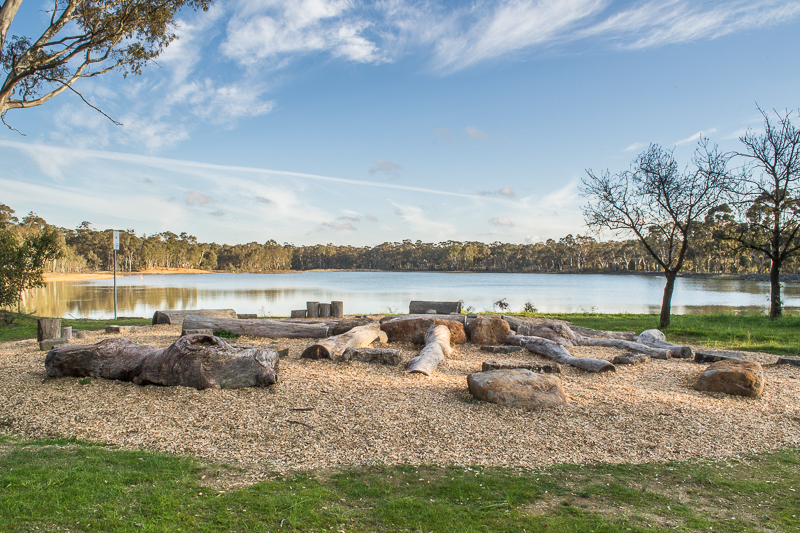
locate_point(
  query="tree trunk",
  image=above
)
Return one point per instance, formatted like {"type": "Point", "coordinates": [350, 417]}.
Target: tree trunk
{"type": "Point", "coordinates": [258, 328]}
{"type": "Point", "coordinates": [177, 317]}
{"type": "Point", "coordinates": [775, 304]}
{"type": "Point", "coordinates": [559, 354]}
{"type": "Point", "coordinates": [48, 328]}
{"type": "Point", "coordinates": [199, 361]}
{"type": "Point", "coordinates": [437, 346]}
{"type": "Point", "coordinates": [334, 347]}
{"type": "Point", "coordinates": [666, 301]}
{"type": "Point", "coordinates": [417, 307]}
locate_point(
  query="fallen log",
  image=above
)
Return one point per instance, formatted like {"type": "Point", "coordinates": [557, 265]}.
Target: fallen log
{"type": "Point", "coordinates": [657, 339]}
{"type": "Point", "coordinates": [413, 330]}
{"type": "Point", "coordinates": [539, 368]}
{"type": "Point", "coordinates": [334, 347]}
{"type": "Point", "coordinates": [441, 308]}
{"type": "Point", "coordinates": [437, 346]}
{"type": "Point", "coordinates": [655, 353]}
{"type": "Point", "coordinates": [383, 356]}
{"type": "Point", "coordinates": [589, 332]}
{"type": "Point", "coordinates": [258, 328]}
{"type": "Point", "coordinates": [199, 361]}
{"type": "Point", "coordinates": [177, 317]}
{"type": "Point", "coordinates": [461, 319]}
{"type": "Point", "coordinates": [559, 354]}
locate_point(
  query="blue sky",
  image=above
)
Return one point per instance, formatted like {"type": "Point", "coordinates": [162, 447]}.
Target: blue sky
{"type": "Point", "coordinates": [334, 121]}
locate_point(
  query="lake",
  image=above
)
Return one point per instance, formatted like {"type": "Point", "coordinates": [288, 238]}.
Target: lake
{"type": "Point", "coordinates": [382, 292]}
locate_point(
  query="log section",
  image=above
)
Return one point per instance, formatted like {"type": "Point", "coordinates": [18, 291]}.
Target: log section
{"type": "Point", "coordinates": [258, 328]}
{"type": "Point", "coordinates": [334, 347]}
{"type": "Point", "coordinates": [48, 328]}
{"type": "Point", "coordinates": [559, 354]}
{"type": "Point", "coordinates": [437, 346]}
{"type": "Point", "coordinates": [442, 308]}
{"type": "Point", "coordinates": [177, 317]}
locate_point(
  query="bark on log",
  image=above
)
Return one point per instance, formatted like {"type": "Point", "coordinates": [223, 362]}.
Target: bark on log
{"type": "Point", "coordinates": [199, 361]}
{"type": "Point", "coordinates": [334, 347]}
{"type": "Point", "coordinates": [656, 339]}
{"type": "Point", "coordinates": [177, 317]}
{"type": "Point", "coordinates": [461, 319]}
{"type": "Point", "coordinates": [48, 328]}
{"type": "Point", "coordinates": [559, 354]}
{"type": "Point", "coordinates": [442, 308]}
{"type": "Point", "coordinates": [589, 332]}
{"type": "Point", "coordinates": [337, 309]}
{"type": "Point", "coordinates": [258, 328]}
{"type": "Point", "coordinates": [437, 346]}
{"type": "Point", "coordinates": [313, 309]}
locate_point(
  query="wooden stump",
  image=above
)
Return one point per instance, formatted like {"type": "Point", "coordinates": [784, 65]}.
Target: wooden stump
{"type": "Point", "coordinates": [324, 310]}
{"type": "Point", "coordinates": [66, 332]}
{"type": "Point", "coordinates": [48, 328]}
{"type": "Point", "coordinates": [312, 309]}
{"type": "Point", "coordinates": [337, 309]}
{"type": "Point", "coordinates": [299, 313]}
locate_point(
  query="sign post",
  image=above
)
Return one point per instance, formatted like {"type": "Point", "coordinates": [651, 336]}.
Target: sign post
{"type": "Point", "coordinates": [116, 247]}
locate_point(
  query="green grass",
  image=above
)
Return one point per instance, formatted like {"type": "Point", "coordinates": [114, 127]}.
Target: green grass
{"type": "Point", "coordinates": [725, 331]}
{"type": "Point", "coordinates": [24, 326]}
{"type": "Point", "coordinates": [47, 485]}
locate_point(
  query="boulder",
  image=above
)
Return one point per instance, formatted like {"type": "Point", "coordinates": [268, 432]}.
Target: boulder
{"type": "Point", "coordinates": [489, 330]}
{"type": "Point", "coordinates": [517, 388]}
{"type": "Point", "coordinates": [631, 358]}
{"type": "Point", "coordinates": [742, 378]}
{"type": "Point", "coordinates": [413, 330]}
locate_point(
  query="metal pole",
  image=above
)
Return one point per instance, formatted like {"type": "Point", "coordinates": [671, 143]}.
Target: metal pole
{"type": "Point", "coordinates": [115, 284]}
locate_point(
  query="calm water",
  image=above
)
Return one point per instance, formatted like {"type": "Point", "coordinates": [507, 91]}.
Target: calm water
{"type": "Point", "coordinates": [371, 292]}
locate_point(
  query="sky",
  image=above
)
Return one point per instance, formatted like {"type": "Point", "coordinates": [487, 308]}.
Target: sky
{"type": "Point", "coordinates": [355, 123]}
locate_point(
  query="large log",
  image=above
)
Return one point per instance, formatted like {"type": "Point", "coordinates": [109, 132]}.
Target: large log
{"type": "Point", "coordinates": [199, 361]}
{"type": "Point", "coordinates": [589, 332]}
{"type": "Point", "coordinates": [656, 339]}
{"type": "Point", "coordinates": [48, 328]}
{"type": "Point", "coordinates": [461, 319]}
{"type": "Point", "coordinates": [554, 331]}
{"type": "Point", "coordinates": [417, 307]}
{"type": "Point", "coordinates": [383, 356]}
{"type": "Point", "coordinates": [345, 325]}
{"type": "Point", "coordinates": [258, 328]}
{"type": "Point", "coordinates": [559, 354]}
{"type": "Point", "coordinates": [177, 317]}
{"type": "Point", "coordinates": [655, 353]}
{"type": "Point", "coordinates": [437, 346]}
{"type": "Point", "coordinates": [414, 329]}
{"type": "Point", "coordinates": [334, 347]}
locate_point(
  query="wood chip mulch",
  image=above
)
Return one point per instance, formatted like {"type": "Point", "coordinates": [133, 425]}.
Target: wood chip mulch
{"type": "Point", "coordinates": [325, 414]}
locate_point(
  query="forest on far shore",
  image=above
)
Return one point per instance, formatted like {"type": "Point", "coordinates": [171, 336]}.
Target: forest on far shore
{"type": "Point", "coordinates": [85, 249]}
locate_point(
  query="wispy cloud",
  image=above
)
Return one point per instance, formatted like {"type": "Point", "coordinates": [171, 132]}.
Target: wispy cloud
{"type": "Point", "coordinates": [390, 168]}
{"type": "Point", "coordinates": [197, 198]}
{"type": "Point", "coordinates": [500, 221]}
{"type": "Point", "coordinates": [339, 225]}
{"type": "Point", "coordinates": [508, 192]}
{"type": "Point", "coordinates": [635, 146]}
{"type": "Point", "coordinates": [695, 137]}
{"type": "Point", "coordinates": [263, 200]}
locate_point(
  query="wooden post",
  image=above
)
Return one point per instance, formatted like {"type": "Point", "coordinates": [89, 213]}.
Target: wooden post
{"type": "Point", "coordinates": [313, 309]}
{"type": "Point", "coordinates": [324, 310]}
{"type": "Point", "coordinates": [66, 332]}
{"type": "Point", "coordinates": [48, 328]}
{"type": "Point", "coordinates": [337, 309]}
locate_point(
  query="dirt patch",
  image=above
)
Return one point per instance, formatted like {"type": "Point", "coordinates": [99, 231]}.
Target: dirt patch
{"type": "Point", "coordinates": [360, 414]}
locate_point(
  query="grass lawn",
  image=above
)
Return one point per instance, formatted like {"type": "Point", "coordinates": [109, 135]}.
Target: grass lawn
{"type": "Point", "coordinates": [24, 326]}
{"type": "Point", "coordinates": [47, 485]}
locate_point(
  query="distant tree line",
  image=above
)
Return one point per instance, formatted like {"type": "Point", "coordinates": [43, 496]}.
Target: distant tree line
{"type": "Point", "coordinates": [85, 249]}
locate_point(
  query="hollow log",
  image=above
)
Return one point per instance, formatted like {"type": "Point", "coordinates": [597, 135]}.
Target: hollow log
{"type": "Point", "coordinates": [48, 328]}
{"type": "Point", "coordinates": [177, 317]}
{"type": "Point", "coordinates": [199, 361]}
{"type": "Point", "coordinates": [437, 346]}
{"type": "Point", "coordinates": [337, 309]}
{"type": "Point", "coordinates": [417, 307]}
{"type": "Point", "coordinates": [559, 354]}
{"type": "Point", "coordinates": [334, 347]}
{"type": "Point", "coordinates": [656, 339]}
{"type": "Point", "coordinates": [589, 332]}
{"type": "Point", "coordinates": [258, 328]}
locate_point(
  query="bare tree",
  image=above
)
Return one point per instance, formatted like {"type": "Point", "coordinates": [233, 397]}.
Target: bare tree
{"type": "Point", "coordinates": [82, 39]}
{"type": "Point", "coordinates": [659, 204]}
{"type": "Point", "coordinates": [769, 198]}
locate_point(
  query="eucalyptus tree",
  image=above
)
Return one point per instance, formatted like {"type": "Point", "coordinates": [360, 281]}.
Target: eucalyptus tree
{"type": "Point", "coordinates": [659, 204]}
{"type": "Point", "coordinates": [769, 198]}
{"type": "Point", "coordinates": [81, 39]}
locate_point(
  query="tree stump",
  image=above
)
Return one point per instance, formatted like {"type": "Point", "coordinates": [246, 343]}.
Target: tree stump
{"type": "Point", "coordinates": [48, 328]}
{"type": "Point", "coordinates": [312, 309]}
{"type": "Point", "coordinates": [337, 309]}
{"type": "Point", "coordinates": [324, 310]}
{"type": "Point", "coordinates": [66, 332]}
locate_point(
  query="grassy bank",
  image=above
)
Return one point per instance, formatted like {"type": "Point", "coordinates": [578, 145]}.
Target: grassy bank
{"type": "Point", "coordinates": [24, 326]}
{"type": "Point", "coordinates": [736, 332]}
{"type": "Point", "coordinates": [74, 486]}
